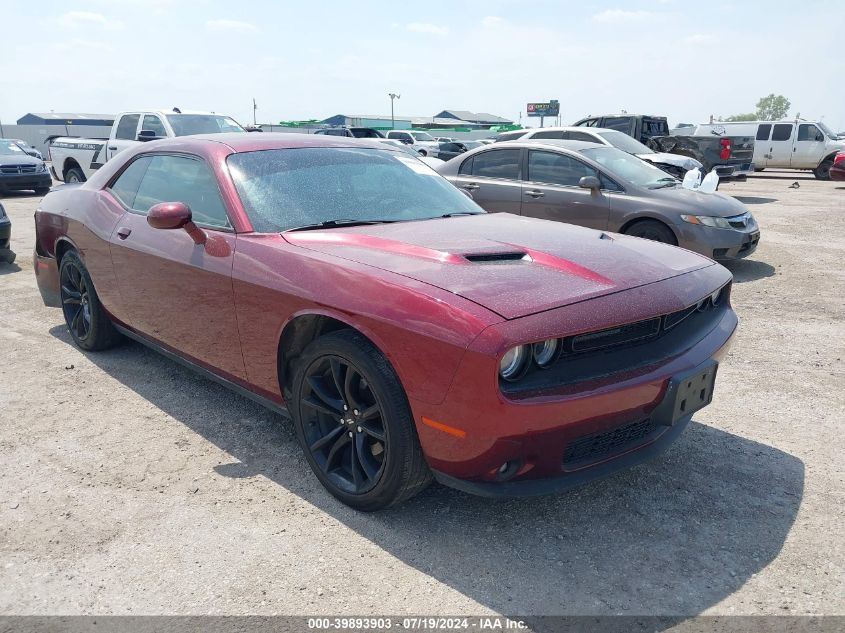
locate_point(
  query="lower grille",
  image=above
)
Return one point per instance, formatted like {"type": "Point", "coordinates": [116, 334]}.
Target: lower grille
{"type": "Point", "coordinates": [592, 448]}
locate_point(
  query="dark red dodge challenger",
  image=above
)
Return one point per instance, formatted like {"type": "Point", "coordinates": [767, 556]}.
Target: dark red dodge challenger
{"type": "Point", "coordinates": [407, 333]}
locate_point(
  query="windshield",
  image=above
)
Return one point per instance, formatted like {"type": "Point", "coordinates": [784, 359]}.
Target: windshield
{"type": "Point", "coordinates": [10, 148]}
{"type": "Point", "coordinates": [827, 131]}
{"type": "Point", "coordinates": [283, 189]}
{"type": "Point", "coordinates": [625, 142]}
{"type": "Point", "coordinates": [187, 124]}
{"type": "Point", "coordinates": [471, 144]}
{"type": "Point", "coordinates": [422, 136]}
{"type": "Point", "coordinates": [628, 168]}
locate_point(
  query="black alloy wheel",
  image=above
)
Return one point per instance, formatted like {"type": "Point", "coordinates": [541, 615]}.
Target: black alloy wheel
{"type": "Point", "coordinates": [76, 302]}
{"type": "Point", "coordinates": [87, 322]}
{"type": "Point", "coordinates": [354, 423]}
{"type": "Point", "coordinates": [344, 425]}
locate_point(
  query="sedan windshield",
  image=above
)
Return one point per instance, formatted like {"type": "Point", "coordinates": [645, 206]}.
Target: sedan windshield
{"type": "Point", "coordinates": [628, 168]}
{"type": "Point", "coordinates": [283, 189]}
{"type": "Point", "coordinates": [187, 124]}
{"type": "Point", "coordinates": [625, 143]}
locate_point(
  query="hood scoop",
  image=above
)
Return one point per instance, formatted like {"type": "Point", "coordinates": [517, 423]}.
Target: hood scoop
{"type": "Point", "coordinates": [492, 258]}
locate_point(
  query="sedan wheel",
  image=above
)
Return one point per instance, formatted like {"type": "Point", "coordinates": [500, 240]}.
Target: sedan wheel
{"type": "Point", "coordinates": [354, 423]}
{"type": "Point", "coordinates": [652, 230]}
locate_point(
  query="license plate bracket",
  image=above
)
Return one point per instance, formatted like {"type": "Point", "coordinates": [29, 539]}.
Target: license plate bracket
{"type": "Point", "coordinates": [687, 393]}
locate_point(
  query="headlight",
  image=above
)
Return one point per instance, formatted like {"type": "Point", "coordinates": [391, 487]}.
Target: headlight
{"type": "Point", "coordinates": [707, 220]}
{"type": "Point", "coordinates": [545, 352]}
{"type": "Point", "coordinates": [515, 362]}
{"type": "Point", "coordinates": [716, 297]}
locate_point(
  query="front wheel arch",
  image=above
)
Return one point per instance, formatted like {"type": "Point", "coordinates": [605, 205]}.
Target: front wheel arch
{"type": "Point", "coordinates": [630, 223]}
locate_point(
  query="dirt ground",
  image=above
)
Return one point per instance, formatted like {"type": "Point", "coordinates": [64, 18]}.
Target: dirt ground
{"type": "Point", "coordinates": [130, 485]}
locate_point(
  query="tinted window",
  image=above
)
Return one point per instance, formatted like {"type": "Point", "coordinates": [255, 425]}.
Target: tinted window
{"type": "Point", "coordinates": [287, 188]}
{"type": "Point", "coordinates": [126, 185]}
{"type": "Point", "coordinates": [558, 134]}
{"type": "Point", "coordinates": [763, 132]}
{"type": "Point", "coordinates": [127, 126]}
{"type": "Point", "coordinates": [466, 167]}
{"type": "Point", "coordinates": [510, 136]}
{"type": "Point", "coordinates": [501, 163]}
{"type": "Point", "coordinates": [807, 132]}
{"type": "Point", "coordinates": [782, 132]}
{"type": "Point", "coordinates": [181, 179]}
{"type": "Point", "coordinates": [557, 169]}
{"type": "Point", "coordinates": [589, 123]}
{"type": "Point", "coordinates": [154, 124]}
{"type": "Point", "coordinates": [451, 147]}
{"type": "Point", "coordinates": [583, 136]}
{"type": "Point", "coordinates": [621, 123]}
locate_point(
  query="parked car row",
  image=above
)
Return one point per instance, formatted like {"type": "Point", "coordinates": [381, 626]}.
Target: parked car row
{"type": "Point", "coordinates": [408, 333]}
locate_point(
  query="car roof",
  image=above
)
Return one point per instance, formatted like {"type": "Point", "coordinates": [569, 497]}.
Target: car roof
{"type": "Point", "coordinates": [247, 142]}
{"type": "Point", "coordinates": [575, 146]}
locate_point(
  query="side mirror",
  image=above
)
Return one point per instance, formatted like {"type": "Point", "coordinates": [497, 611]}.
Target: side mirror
{"type": "Point", "coordinates": [819, 136]}
{"type": "Point", "coordinates": [589, 182]}
{"type": "Point", "coordinates": [175, 215]}
{"type": "Point", "coordinates": [407, 141]}
{"type": "Point", "coordinates": [147, 135]}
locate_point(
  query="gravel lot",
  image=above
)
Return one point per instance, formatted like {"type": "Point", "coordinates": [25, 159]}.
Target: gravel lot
{"type": "Point", "coordinates": [130, 485]}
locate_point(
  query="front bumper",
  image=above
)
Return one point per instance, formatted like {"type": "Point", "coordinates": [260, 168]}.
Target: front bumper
{"type": "Point", "coordinates": [556, 436]}
{"type": "Point", "coordinates": [18, 182]}
{"type": "Point", "coordinates": [719, 244]}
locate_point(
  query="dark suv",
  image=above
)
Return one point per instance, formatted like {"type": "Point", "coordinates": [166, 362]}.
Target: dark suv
{"type": "Point", "coordinates": [357, 132]}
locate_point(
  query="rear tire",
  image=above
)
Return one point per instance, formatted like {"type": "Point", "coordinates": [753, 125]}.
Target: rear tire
{"type": "Point", "coordinates": [652, 230]}
{"type": "Point", "coordinates": [822, 172]}
{"type": "Point", "coordinates": [87, 322]}
{"type": "Point", "coordinates": [73, 175]}
{"type": "Point", "coordinates": [367, 454]}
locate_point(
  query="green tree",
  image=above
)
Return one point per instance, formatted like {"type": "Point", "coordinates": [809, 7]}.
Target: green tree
{"type": "Point", "coordinates": [772, 108]}
{"type": "Point", "coordinates": [748, 116]}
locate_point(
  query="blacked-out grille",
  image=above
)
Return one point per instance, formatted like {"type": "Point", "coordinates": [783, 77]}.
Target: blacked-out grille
{"type": "Point", "coordinates": [18, 169]}
{"type": "Point", "coordinates": [598, 446]}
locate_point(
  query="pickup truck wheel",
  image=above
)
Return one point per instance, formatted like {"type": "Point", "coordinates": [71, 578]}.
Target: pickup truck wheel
{"type": "Point", "coordinates": [87, 322]}
{"type": "Point", "coordinates": [354, 423]}
{"type": "Point", "coordinates": [652, 230]}
{"type": "Point", "coordinates": [74, 174]}
{"type": "Point", "coordinates": [822, 172]}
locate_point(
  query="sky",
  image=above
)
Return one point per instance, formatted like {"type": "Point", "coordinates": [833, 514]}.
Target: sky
{"type": "Point", "coordinates": [302, 60]}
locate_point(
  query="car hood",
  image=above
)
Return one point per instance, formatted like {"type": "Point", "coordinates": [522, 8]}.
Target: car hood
{"type": "Point", "coordinates": [694, 202]}
{"type": "Point", "coordinates": [19, 159]}
{"type": "Point", "coordinates": [684, 162]}
{"type": "Point", "coordinates": [511, 265]}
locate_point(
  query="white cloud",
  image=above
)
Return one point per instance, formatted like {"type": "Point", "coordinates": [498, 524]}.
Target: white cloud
{"type": "Point", "coordinates": [77, 19]}
{"type": "Point", "coordinates": [620, 15]}
{"type": "Point", "coordinates": [491, 21]}
{"type": "Point", "coordinates": [231, 25]}
{"type": "Point", "coordinates": [424, 27]}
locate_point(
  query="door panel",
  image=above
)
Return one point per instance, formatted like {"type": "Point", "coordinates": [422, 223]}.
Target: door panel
{"type": "Point", "coordinates": [551, 191]}
{"type": "Point", "coordinates": [492, 177]}
{"type": "Point", "coordinates": [178, 292]}
{"type": "Point", "coordinates": [807, 152]}
{"type": "Point", "coordinates": [780, 145]}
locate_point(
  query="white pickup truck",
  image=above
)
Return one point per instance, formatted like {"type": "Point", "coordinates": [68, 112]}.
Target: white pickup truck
{"type": "Point", "coordinates": [74, 159]}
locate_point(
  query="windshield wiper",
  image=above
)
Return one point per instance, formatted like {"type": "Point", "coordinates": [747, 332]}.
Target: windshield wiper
{"type": "Point", "coordinates": [327, 224]}
{"type": "Point", "coordinates": [457, 213]}
{"type": "Point", "coordinates": [667, 182]}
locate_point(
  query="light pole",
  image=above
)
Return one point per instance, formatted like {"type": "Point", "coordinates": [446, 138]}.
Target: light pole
{"type": "Point", "coordinates": [392, 96]}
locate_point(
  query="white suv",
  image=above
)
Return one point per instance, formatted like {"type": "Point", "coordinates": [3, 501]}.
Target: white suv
{"type": "Point", "coordinates": [421, 141]}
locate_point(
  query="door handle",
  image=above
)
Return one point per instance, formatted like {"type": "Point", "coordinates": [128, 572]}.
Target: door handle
{"type": "Point", "coordinates": [112, 146]}
{"type": "Point", "coordinates": [534, 193]}
{"type": "Point", "coordinates": [471, 186]}
{"type": "Point", "coordinates": [123, 232]}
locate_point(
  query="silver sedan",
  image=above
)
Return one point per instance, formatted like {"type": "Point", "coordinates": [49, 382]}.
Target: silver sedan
{"type": "Point", "coordinates": [603, 188]}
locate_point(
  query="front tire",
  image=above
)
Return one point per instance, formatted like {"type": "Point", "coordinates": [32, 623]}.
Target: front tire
{"type": "Point", "coordinates": [87, 322]}
{"type": "Point", "coordinates": [652, 230]}
{"type": "Point", "coordinates": [354, 423]}
{"type": "Point", "coordinates": [822, 172]}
